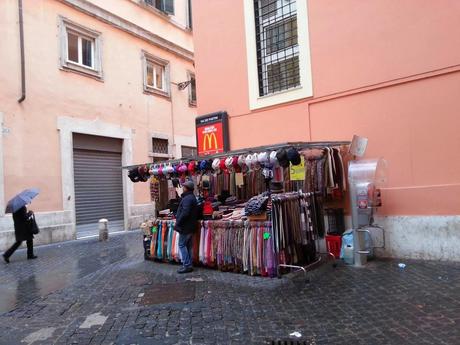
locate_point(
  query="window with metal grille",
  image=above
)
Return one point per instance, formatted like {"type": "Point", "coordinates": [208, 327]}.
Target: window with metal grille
{"type": "Point", "coordinates": [188, 151]}
{"type": "Point", "coordinates": [166, 6]}
{"type": "Point", "coordinates": [277, 45]}
{"type": "Point", "coordinates": [160, 146]}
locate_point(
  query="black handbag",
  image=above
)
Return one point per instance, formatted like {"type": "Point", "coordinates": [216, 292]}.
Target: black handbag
{"type": "Point", "coordinates": [33, 225]}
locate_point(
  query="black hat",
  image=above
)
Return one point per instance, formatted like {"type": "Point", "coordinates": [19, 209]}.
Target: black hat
{"type": "Point", "coordinates": [276, 187]}
{"type": "Point", "coordinates": [282, 158]}
{"type": "Point", "coordinates": [294, 156]}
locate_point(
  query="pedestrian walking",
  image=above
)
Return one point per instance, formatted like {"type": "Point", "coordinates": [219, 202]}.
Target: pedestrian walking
{"type": "Point", "coordinates": [186, 223]}
{"type": "Point", "coordinates": [23, 227]}
{"type": "Point", "coordinates": [24, 222]}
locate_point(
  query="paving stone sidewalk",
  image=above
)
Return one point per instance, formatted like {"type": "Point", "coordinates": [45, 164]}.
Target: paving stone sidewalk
{"type": "Point", "coordinates": [87, 292]}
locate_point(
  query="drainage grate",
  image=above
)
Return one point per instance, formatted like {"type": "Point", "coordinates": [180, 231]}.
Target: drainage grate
{"type": "Point", "coordinates": [169, 293]}
{"type": "Point", "coordinates": [289, 342]}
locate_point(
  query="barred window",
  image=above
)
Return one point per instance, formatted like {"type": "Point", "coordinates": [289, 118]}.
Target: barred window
{"type": "Point", "coordinates": [160, 146]}
{"type": "Point", "coordinates": [188, 151]}
{"type": "Point", "coordinates": [277, 45]}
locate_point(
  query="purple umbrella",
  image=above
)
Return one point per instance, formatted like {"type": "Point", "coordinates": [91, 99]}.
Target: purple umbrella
{"type": "Point", "coordinates": [22, 199]}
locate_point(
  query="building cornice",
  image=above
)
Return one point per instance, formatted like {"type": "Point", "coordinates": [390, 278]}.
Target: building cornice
{"type": "Point", "coordinates": [128, 27]}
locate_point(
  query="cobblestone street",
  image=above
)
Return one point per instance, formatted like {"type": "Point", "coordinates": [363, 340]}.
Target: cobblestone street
{"type": "Point", "coordinates": [87, 292]}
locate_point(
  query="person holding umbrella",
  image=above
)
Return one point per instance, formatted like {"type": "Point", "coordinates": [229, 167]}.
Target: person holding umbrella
{"type": "Point", "coordinates": [24, 222]}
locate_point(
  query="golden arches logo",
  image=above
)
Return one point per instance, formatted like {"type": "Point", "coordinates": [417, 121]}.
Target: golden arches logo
{"type": "Point", "coordinates": [209, 139]}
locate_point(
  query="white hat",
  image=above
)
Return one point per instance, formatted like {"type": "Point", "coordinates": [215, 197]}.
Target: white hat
{"type": "Point", "coordinates": [249, 161]}
{"type": "Point", "coordinates": [229, 163]}
{"type": "Point", "coordinates": [273, 159]}
{"type": "Point", "coordinates": [216, 164]}
{"type": "Point", "coordinates": [262, 157]}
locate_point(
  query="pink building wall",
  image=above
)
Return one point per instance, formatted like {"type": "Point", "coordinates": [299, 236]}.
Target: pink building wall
{"type": "Point", "coordinates": [389, 71]}
{"type": "Point", "coordinates": [31, 141]}
{"type": "Point", "coordinates": [385, 71]}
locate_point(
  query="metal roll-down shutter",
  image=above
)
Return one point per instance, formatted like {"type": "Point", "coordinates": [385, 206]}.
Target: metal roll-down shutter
{"type": "Point", "coordinates": [98, 181]}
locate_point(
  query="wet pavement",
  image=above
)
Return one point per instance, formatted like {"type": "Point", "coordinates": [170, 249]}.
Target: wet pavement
{"type": "Point", "coordinates": [87, 292]}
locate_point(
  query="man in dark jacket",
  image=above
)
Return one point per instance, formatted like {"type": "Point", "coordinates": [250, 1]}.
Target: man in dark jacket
{"type": "Point", "coordinates": [22, 232]}
{"type": "Point", "coordinates": [186, 223]}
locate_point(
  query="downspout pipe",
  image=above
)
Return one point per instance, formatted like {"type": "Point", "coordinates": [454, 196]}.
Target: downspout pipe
{"type": "Point", "coordinates": [21, 44]}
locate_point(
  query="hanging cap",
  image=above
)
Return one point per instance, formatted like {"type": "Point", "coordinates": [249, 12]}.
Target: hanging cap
{"type": "Point", "coordinates": [262, 157]}
{"type": "Point", "coordinates": [273, 159]}
{"type": "Point", "coordinates": [282, 158]}
{"type": "Point", "coordinates": [191, 167]}
{"type": "Point", "coordinates": [216, 165]}
{"type": "Point", "coordinates": [229, 163]}
{"type": "Point", "coordinates": [203, 164]}
{"type": "Point", "coordinates": [249, 161]}
{"type": "Point", "coordinates": [294, 156]}
{"type": "Point", "coordinates": [222, 165]}
{"type": "Point", "coordinates": [182, 168]}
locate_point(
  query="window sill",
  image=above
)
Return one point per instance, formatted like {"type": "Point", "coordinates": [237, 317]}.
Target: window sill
{"type": "Point", "coordinates": [83, 71]}
{"type": "Point", "coordinates": [192, 104]}
{"type": "Point", "coordinates": [160, 155]}
{"type": "Point", "coordinates": [277, 93]}
{"type": "Point", "coordinates": [152, 91]}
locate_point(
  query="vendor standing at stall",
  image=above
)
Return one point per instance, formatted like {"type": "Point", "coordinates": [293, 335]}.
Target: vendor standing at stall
{"type": "Point", "coordinates": [186, 224]}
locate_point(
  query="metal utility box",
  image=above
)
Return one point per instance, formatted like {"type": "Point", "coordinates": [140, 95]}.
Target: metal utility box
{"type": "Point", "coordinates": [365, 178]}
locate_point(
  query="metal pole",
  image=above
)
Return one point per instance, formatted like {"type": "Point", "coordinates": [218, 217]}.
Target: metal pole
{"type": "Point", "coordinates": [21, 45]}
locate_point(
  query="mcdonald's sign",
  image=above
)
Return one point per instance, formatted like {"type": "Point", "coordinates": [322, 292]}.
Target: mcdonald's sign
{"type": "Point", "coordinates": [212, 133]}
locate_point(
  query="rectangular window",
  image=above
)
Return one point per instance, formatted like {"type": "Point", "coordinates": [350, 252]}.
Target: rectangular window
{"type": "Point", "coordinates": [160, 146]}
{"type": "Point", "coordinates": [156, 75]}
{"type": "Point", "coordinates": [277, 48]}
{"type": "Point", "coordinates": [277, 51]}
{"type": "Point", "coordinates": [80, 49]}
{"type": "Point", "coordinates": [166, 6]}
{"type": "Point", "coordinates": [192, 90]}
{"type": "Point", "coordinates": [188, 151]}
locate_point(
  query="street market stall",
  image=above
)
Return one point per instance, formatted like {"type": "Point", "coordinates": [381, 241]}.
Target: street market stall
{"type": "Point", "coordinates": [262, 208]}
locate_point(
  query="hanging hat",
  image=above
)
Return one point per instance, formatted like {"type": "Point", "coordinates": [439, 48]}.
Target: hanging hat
{"type": "Point", "coordinates": [273, 159]}
{"type": "Point", "coordinates": [191, 167]}
{"type": "Point", "coordinates": [262, 158]}
{"type": "Point", "coordinates": [248, 161]}
{"type": "Point", "coordinates": [168, 169]}
{"type": "Point", "coordinates": [229, 163]}
{"type": "Point", "coordinates": [282, 158]}
{"type": "Point", "coordinates": [294, 156]}
{"type": "Point", "coordinates": [235, 166]}
{"type": "Point", "coordinates": [222, 165]}
{"type": "Point", "coordinates": [160, 171]}
{"type": "Point", "coordinates": [241, 160]}
{"type": "Point", "coordinates": [216, 165]}
{"type": "Point", "coordinates": [203, 165]}
{"type": "Point", "coordinates": [155, 170]}
{"type": "Point", "coordinates": [182, 168]}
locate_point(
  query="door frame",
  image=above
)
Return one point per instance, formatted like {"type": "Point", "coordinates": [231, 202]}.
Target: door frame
{"type": "Point", "coordinates": [67, 126]}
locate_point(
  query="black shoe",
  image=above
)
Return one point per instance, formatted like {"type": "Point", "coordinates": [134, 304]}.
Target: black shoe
{"type": "Point", "coordinates": [32, 257]}
{"type": "Point", "coordinates": [6, 258]}
{"type": "Point", "coordinates": [185, 270]}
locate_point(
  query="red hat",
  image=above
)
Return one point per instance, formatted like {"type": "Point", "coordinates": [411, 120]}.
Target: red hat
{"type": "Point", "coordinates": [191, 167]}
{"type": "Point", "coordinates": [236, 166]}
{"type": "Point", "coordinates": [222, 165]}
